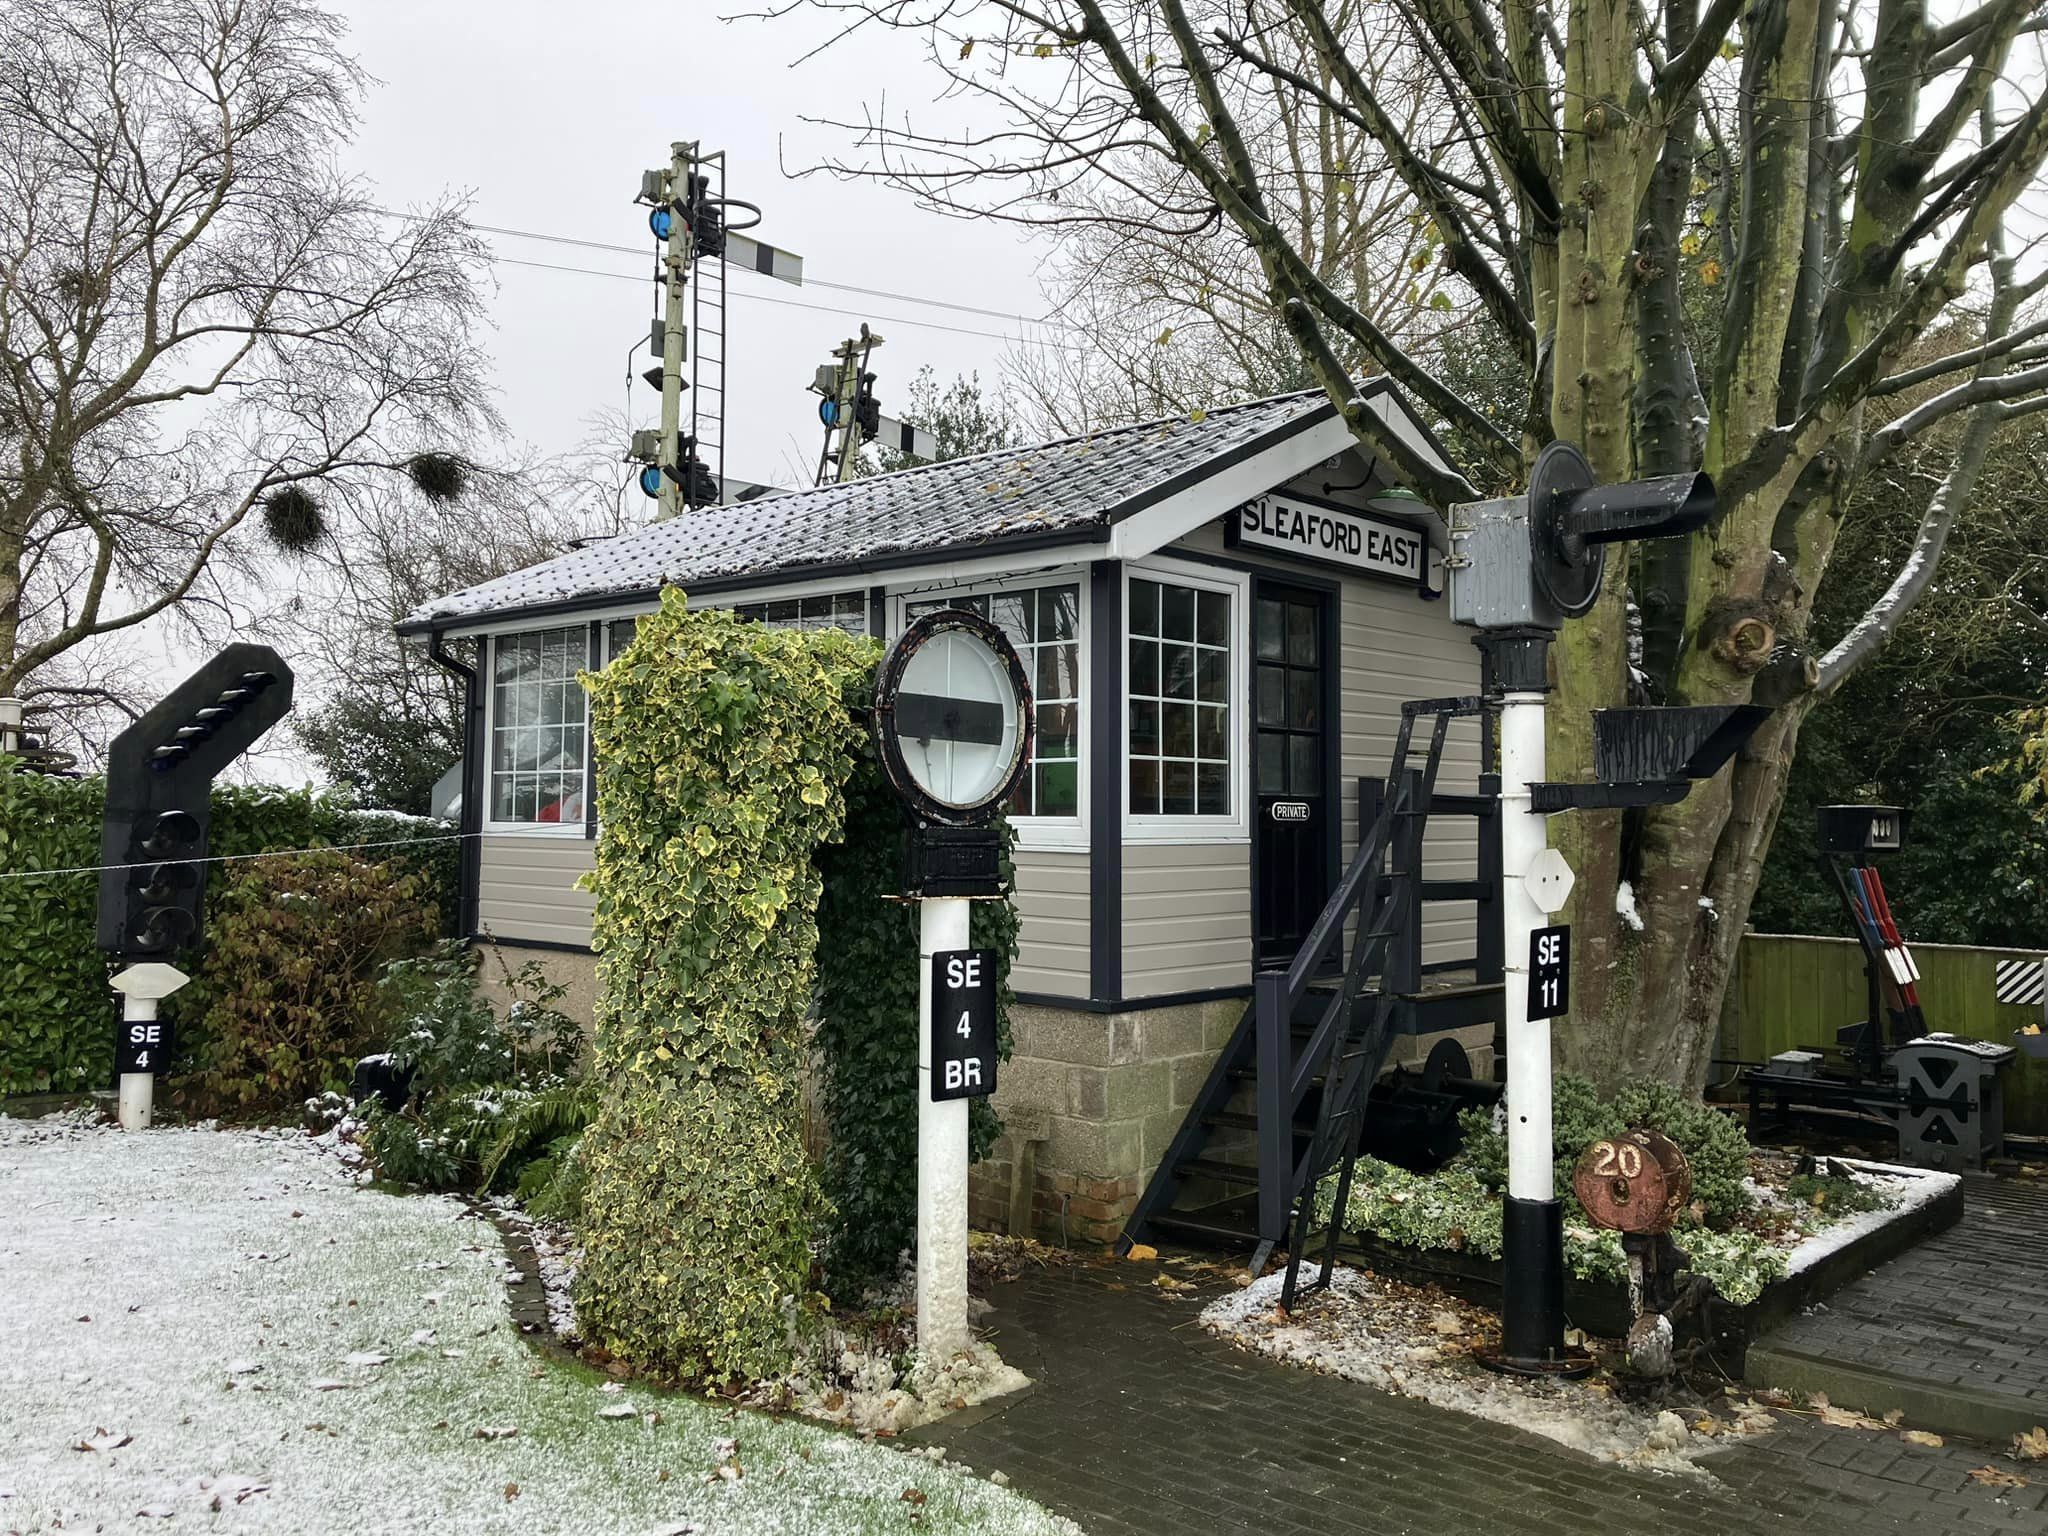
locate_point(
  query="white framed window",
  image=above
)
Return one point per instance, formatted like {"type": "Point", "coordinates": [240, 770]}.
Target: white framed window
{"type": "Point", "coordinates": [828, 610]}
{"type": "Point", "coordinates": [537, 727]}
{"type": "Point", "coordinates": [1047, 621]}
{"type": "Point", "coordinates": [1185, 703]}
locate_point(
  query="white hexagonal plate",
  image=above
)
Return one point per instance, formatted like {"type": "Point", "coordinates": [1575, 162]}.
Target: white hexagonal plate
{"type": "Point", "coordinates": [1548, 880]}
{"type": "Point", "coordinates": [150, 979]}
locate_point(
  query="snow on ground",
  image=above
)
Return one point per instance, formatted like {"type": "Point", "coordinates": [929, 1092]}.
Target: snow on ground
{"type": "Point", "coordinates": [219, 1330]}
{"type": "Point", "coordinates": [1366, 1329]}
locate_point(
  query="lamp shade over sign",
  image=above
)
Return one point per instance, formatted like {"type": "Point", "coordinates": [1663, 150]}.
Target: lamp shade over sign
{"type": "Point", "coordinates": [953, 717]}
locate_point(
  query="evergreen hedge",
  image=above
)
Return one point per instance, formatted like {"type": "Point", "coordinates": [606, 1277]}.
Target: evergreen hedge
{"type": "Point", "coordinates": [725, 748]}
{"type": "Point", "coordinates": [56, 1012]}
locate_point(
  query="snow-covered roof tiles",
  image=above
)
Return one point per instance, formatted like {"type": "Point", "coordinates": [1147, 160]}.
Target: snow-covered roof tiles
{"type": "Point", "coordinates": [1070, 491]}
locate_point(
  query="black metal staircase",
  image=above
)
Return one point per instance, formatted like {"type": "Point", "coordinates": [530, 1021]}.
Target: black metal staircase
{"type": "Point", "coordinates": [1288, 1097]}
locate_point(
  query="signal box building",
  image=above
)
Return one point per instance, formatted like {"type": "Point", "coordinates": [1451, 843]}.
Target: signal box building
{"type": "Point", "coordinates": [1221, 619]}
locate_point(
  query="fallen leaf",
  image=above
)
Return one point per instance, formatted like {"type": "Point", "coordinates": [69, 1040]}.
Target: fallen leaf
{"type": "Point", "coordinates": [913, 1496]}
{"type": "Point", "coordinates": [1997, 1477]}
{"type": "Point", "coordinates": [1141, 1251]}
{"type": "Point", "coordinates": [329, 1384]}
{"type": "Point", "coordinates": [511, 1492]}
{"type": "Point", "coordinates": [156, 1512]}
{"type": "Point", "coordinates": [496, 1431]}
{"type": "Point", "coordinates": [2032, 1445]}
{"type": "Point", "coordinates": [835, 1401]}
{"type": "Point", "coordinates": [1922, 1437]}
{"type": "Point", "coordinates": [100, 1440]}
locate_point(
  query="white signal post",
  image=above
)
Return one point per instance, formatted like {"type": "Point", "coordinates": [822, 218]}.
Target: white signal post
{"type": "Point", "coordinates": [942, 1330]}
{"type": "Point", "coordinates": [1523, 837]}
{"type": "Point", "coordinates": [142, 987]}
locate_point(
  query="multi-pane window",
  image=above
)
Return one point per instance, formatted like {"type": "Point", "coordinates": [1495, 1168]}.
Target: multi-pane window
{"type": "Point", "coordinates": [1044, 624]}
{"type": "Point", "coordinates": [538, 726]}
{"type": "Point", "coordinates": [834, 610]}
{"type": "Point", "coordinates": [1289, 688]}
{"type": "Point", "coordinates": [1179, 685]}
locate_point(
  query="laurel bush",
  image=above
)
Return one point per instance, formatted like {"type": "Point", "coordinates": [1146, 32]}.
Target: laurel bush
{"type": "Point", "coordinates": [725, 747]}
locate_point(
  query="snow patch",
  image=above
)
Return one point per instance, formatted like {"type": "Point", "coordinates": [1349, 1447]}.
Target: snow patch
{"type": "Point", "coordinates": [1335, 1331]}
{"type": "Point", "coordinates": [1625, 906]}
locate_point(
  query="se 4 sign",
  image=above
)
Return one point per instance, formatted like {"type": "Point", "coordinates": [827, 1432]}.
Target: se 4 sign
{"type": "Point", "coordinates": [1550, 972]}
{"type": "Point", "coordinates": [142, 1045]}
{"type": "Point", "coordinates": [963, 1024]}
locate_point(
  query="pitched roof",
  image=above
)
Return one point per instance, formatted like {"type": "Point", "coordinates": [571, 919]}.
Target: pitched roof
{"type": "Point", "coordinates": [1070, 491]}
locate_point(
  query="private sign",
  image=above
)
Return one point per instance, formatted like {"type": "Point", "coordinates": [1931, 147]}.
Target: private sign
{"type": "Point", "coordinates": [1330, 534]}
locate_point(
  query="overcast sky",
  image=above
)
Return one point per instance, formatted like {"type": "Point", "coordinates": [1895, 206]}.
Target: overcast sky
{"type": "Point", "coordinates": [546, 113]}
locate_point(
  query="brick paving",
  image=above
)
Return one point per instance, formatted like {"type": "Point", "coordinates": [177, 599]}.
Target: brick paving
{"type": "Point", "coordinates": [1968, 1308]}
{"type": "Point", "coordinates": [1141, 1421]}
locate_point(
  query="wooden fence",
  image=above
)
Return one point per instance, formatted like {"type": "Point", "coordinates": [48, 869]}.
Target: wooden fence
{"type": "Point", "coordinates": [1791, 991]}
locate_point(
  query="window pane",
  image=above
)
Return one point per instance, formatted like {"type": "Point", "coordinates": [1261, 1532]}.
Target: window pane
{"type": "Point", "coordinates": [1177, 671]}
{"type": "Point", "coordinates": [1144, 607]}
{"type": "Point", "coordinates": [501, 797]}
{"type": "Point", "coordinates": [1272, 765]}
{"type": "Point", "coordinates": [1145, 786]}
{"type": "Point", "coordinates": [1303, 690]}
{"type": "Point", "coordinates": [1059, 613]}
{"type": "Point", "coordinates": [1011, 613]}
{"type": "Point", "coordinates": [1020, 797]}
{"type": "Point", "coordinates": [1177, 789]}
{"type": "Point", "coordinates": [1212, 676]}
{"type": "Point", "coordinates": [784, 612]}
{"type": "Point", "coordinates": [621, 634]}
{"type": "Point", "coordinates": [1059, 789]}
{"type": "Point", "coordinates": [1212, 733]}
{"type": "Point", "coordinates": [1272, 695]}
{"type": "Point", "coordinates": [1145, 667]}
{"type": "Point", "coordinates": [1176, 613]}
{"type": "Point", "coordinates": [1301, 634]}
{"type": "Point", "coordinates": [1177, 730]}
{"type": "Point", "coordinates": [1212, 618]}
{"type": "Point", "coordinates": [1056, 731]}
{"type": "Point", "coordinates": [1144, 728]}
{"type": "Point", "coordinates": [1305, 770]}
{"type": "Point", "coordinates": [1212, 790]}
{"type": "Point", "coordinates": [1272, 630]}
{"type": "Point", "coordinates": [1059, 672]}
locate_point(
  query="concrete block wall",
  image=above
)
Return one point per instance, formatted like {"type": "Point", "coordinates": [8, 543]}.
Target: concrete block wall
{"type": "Point", "coordinates": [1091, 1102]}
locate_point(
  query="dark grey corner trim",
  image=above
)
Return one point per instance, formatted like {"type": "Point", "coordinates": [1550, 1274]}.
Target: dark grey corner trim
{"type": "Point", "coordinates": [475, 792]}
{"type": "Point", "coordinates": [878, 613]}
{"type": "Point", "coordinates": [1105, 779]}
{"type": "Point", "coordinates": [590, 738]}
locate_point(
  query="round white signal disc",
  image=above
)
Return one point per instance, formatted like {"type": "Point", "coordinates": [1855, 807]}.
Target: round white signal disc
{"type": "Point", "coordinates": [959, 720]}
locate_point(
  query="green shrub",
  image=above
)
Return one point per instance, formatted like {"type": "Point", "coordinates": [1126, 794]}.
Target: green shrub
{"type": "Point", "coordinates": [56, 1012]}
{"type": "Point", "coordinates": [1713, 1141]}
{"type": "Point", "coordinates": [288, 999]}
{"type": "Point", "coordinates": [867, 1034]}
{"type": "Point", "coordinates": [725, 746]}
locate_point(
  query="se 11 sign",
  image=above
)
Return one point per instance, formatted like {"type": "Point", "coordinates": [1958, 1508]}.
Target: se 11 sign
{"type": "Point", "coordinates": [1550, 972]}
{"type": "Point", "coordinates": [963, 1024]}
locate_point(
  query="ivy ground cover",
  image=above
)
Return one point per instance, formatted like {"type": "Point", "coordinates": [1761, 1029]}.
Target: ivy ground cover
{"type": "Point", "coordinates": [221, 1331]}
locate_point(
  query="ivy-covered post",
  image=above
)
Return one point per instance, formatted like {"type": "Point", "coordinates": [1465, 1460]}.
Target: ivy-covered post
{"type": "Point", "coordinates": [724, 748]}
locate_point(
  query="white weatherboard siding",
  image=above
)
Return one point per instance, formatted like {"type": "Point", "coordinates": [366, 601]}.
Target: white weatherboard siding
{"type": "Point", "coordinates": [1187, 917]}
{"type": "Point", "coordinates": [1398, 647]}
{"type": "Point", "coordinates": [1052, 905]}
{"type": "Point", "coordinates": [526, 887]}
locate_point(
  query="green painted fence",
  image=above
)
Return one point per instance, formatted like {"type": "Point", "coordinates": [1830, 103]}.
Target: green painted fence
{"type": "Point", "coordinates": [1792, 991]}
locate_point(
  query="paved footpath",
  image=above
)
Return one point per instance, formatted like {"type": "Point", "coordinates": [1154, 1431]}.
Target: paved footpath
{"type": "Point", "coordinates": [1141, 1421]}
{"type": "Point", "coordinates": [1954, 1330]}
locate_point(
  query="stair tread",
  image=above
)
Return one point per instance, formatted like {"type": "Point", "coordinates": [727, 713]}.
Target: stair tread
{"type": "Point", "coordinates": [1189, 1226]}
{"type": "Point", "coordinates": [1217, 1168]}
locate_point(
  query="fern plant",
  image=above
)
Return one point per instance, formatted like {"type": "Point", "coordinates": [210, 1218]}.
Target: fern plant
{"type": "Point", "coordinates": [548, 1119]}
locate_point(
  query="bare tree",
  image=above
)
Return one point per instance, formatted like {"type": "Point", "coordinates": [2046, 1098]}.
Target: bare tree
{"type": "Point", "coordinates": [1834, 175]}
{"type": "Point", "coordinates": [206, 329]}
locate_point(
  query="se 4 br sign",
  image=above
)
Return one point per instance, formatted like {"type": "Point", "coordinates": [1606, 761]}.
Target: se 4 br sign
{"type": "Point", "coordinates": [963, 1024]}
